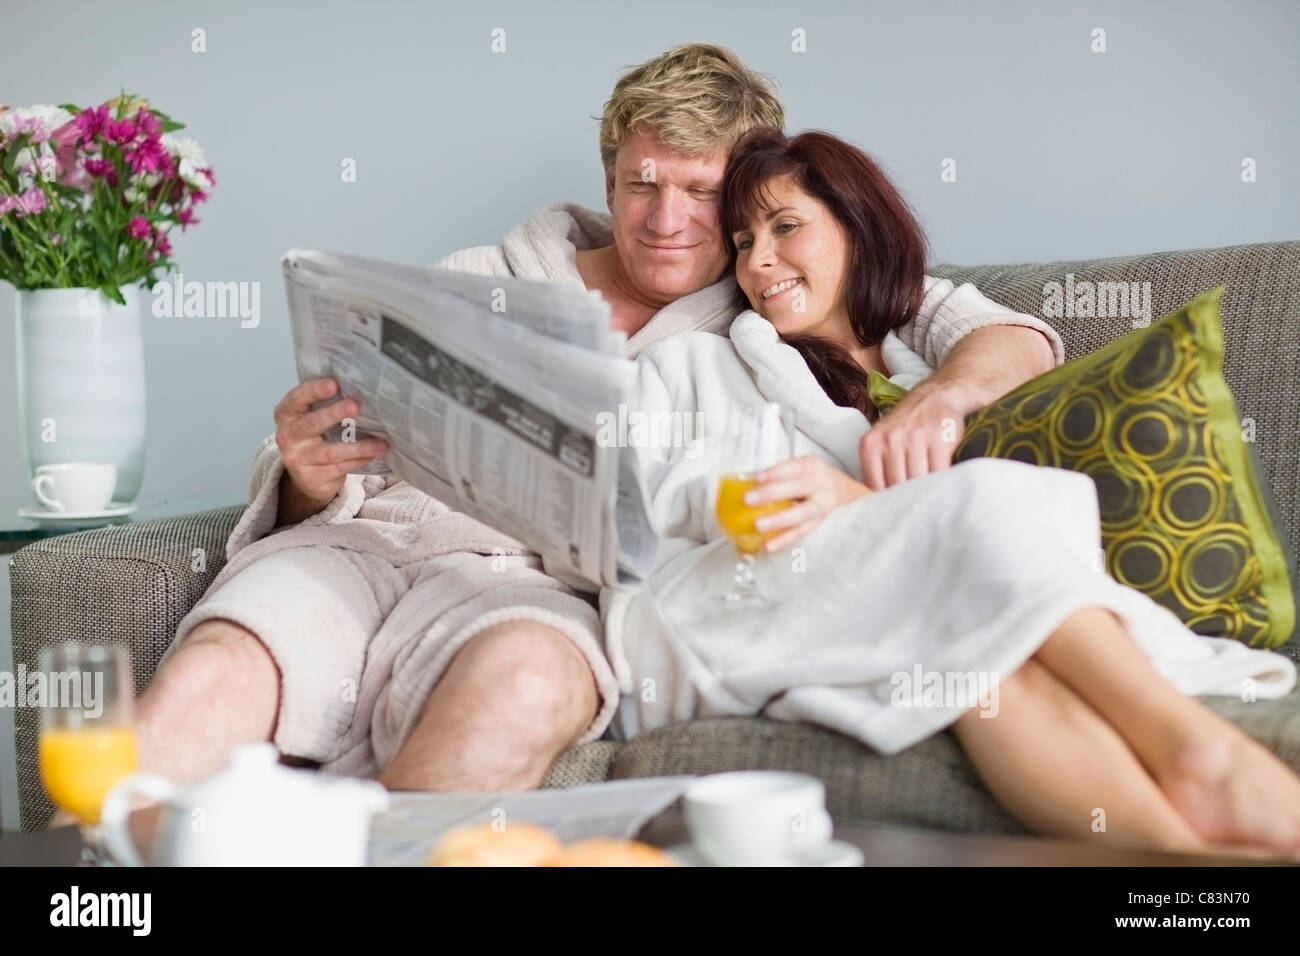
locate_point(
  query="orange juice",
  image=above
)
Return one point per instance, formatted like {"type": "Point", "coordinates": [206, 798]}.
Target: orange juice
{"type": "Point", "coordinates": [737, 518]}
{"type": "Point", "coordinates": [79, 767]}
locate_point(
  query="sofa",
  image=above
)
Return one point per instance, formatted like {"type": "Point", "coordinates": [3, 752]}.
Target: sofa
{"type": "Point", "coordinates": [131, 584]}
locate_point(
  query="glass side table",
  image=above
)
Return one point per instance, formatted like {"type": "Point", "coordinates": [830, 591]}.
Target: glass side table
{"type": "Point", "coordinates": [15, 533]}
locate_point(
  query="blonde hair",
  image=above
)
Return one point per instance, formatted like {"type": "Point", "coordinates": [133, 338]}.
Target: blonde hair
{"type": "Point", "coordinates": [698, 98]}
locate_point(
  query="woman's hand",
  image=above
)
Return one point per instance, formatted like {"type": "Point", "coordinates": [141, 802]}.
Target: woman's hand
{"type": "Point", "coordinates": [815, 486]}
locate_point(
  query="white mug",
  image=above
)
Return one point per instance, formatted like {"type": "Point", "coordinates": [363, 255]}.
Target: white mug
{"type": "Point", "coordinates": [757, 817]}
{"type": "Point", "coordinates": [75, 487]}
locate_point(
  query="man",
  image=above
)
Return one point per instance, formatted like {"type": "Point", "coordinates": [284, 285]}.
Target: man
{"type": "Point", "coordinates": [366, 627]}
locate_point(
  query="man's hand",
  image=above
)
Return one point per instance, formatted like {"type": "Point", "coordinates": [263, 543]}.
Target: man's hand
{"type": "Point", "coordinates": [922, 431]}
{"type": "Point", "coordinates": [315, 469]}
{"type": "Point", "coordinates": [917, 437]}
{"type": "Point", "coordinates": [816, 487]}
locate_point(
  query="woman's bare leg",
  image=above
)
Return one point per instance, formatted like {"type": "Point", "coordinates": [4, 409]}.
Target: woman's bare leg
{"type": "Point", "coordinates": [1053, 762]}
{"type": "Point", "coordinates": [1228, 787]}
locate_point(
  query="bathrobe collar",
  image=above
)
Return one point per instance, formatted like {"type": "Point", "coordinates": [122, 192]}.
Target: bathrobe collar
{"type": "Point", "coordinates": [545, 248]}
{"type": "Point", "coordinates": [782, 376]}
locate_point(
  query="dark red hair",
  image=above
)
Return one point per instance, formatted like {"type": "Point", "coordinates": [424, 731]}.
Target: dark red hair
{"type": "Point", "coordinates": [886, 272]}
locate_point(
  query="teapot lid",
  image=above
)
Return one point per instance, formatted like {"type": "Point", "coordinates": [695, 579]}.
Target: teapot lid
{"type": "Point", "coordinates": [251, 770]}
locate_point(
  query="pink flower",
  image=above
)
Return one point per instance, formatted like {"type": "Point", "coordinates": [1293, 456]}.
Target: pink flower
{"type": "Point", "coordinates": [120, 131]}
{"type": "Point", "coordinates": [65, 141]}
{"type": "Point", "coordinates": [7, 203]}
{"type": "Point", "coordinates": [92, 121]}
{"type": "Point", "coordinates": [186, 217]}
{"type": "Point", "coordinates": [98, 167]}
{"type": "Point", "coordinates": [207, 171]}
{"type": "Point", "coordinates": [161, 243]}
{"type": "Point", "coordinates": [149, 124]}
{"type": "Point", "coordinates": [146, 156]}
{"type": "Point", "coordinates": [31, 202]}
{"type": "Point", "coordinates": [198, 196]}
{"type": "Point", "coordinates": [31, 124]}
{"type": "Point", "coordinates": [137, 228]}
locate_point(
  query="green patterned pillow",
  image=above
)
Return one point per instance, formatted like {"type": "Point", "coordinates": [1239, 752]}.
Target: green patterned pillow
{"type": "Point", "coordinates": [1149, 417]}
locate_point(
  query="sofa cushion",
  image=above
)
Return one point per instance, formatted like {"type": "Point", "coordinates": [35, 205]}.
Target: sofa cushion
{"type": "Point", "coordinates": [929, 785]}
{"type": "Point", "coordinates": [1261, 331]}
{"type": "Point", "coordinates": [932, 785]}
{"type": "Point", "coordinates": [1184, 516]}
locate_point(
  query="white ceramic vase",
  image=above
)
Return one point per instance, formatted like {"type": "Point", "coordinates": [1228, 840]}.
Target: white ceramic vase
{"type": "Point", "coordinates": [81, 381]}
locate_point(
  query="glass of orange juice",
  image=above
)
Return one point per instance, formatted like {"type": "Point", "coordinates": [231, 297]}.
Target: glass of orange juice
{"type": "Point", "coordinates": [760, 441]}
{"type": "Point", "coordinates": [87, 745]}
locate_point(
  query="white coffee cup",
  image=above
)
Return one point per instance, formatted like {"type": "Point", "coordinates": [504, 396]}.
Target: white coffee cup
{"type": "Point", "coordinates": [76, 486]}
{"type": "Point", "coordinates": [757, 817]}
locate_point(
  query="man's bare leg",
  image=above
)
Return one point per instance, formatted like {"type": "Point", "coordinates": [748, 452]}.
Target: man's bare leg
{"type": "Point", "coordinates": [1053, 762]}
{"type": "Point", "coordinates": [1228, 787]}
{"type": "Point", "coordinates": [512, 700]}
{"type": "Point", "coordinates": [220, 688]}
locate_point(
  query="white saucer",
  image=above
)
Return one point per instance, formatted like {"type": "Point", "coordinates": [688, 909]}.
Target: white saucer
{"type": "Point", "coordinates": [44, 514]}
{"type": "Point", "coordinates": [834, 853]}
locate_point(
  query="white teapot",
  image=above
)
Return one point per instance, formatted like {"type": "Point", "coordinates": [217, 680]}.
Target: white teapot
{"type": "Point", "coordinates": [253, 812]}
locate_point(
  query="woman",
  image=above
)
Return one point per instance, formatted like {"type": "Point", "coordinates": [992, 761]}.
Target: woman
{"type": "Point", "coordinates": [982, 570]}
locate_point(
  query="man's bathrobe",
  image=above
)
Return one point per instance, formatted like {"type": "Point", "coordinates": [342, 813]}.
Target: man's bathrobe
{"type": "Point", "coordinates": [950, 581]}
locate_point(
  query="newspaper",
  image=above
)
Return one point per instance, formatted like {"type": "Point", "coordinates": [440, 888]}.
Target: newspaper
{"type": "Point", "coordinates": [406, 833]}
{"type": "Point", "coordinates": [488, 391]}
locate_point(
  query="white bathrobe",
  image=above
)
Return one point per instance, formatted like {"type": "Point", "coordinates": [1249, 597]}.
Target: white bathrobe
{"type": "Point", "coordinates": [379, 514]}
{"type": "Point", "coordinates": [951, 580]}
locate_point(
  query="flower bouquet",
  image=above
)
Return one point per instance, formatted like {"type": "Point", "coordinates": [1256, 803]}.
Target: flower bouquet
{"type": "Point", "coordinates": [88, 196]}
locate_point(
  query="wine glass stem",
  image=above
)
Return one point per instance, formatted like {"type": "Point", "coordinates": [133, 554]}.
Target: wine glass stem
{"type": "Point", "coordinates": [744, 579]}
{"type": "Point", "coordinates": [89, 845]}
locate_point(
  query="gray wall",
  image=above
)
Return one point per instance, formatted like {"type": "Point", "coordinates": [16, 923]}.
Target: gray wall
{"type": "Point", "coordinates": [1062, 153]}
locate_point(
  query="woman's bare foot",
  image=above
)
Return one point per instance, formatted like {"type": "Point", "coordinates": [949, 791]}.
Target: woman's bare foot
{"type": "Point", "coordinates": [1231, 790]}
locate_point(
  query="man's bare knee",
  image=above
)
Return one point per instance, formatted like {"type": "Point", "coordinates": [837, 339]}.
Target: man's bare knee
{"type": "Point", "coordinates": [521, 672]}
{"type": "Point", "coordinates": [514, 697]}
{"type": "Point", "coordinates": [220, 687]}
{"type": "Point", "coordinates": [219, 657]}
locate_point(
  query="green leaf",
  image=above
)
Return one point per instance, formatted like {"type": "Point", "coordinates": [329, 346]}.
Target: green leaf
{"type": "Point", "coordinates": [70, 107]}
{"type": "Point", "coordinates": [104, 254]}
{"type": "Point", "coordinates": [113, 293]}
{"type": "Point", "coordinates": [16, 147]}
{"type": "Point", "coordinates": [171, 126]}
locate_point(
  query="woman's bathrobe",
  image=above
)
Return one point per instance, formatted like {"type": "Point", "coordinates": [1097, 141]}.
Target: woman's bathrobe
{"type": "Point", "coordinates": [900, 610]}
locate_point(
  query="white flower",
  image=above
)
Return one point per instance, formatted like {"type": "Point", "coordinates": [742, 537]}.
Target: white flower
{"type": "Point", "coordinates": [191, 160]}
{"type": "Point", "coordinates": [50, 117]}
{"type": "Point", "coordinates": [150, 180]}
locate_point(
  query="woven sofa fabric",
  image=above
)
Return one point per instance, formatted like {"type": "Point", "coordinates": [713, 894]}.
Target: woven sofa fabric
{"type": "Point", "coordinates": [128, 585]}
{"type": "Point", "coordinates": [586, 763]}
{"type": "Point", "coordinates": [931, 785]}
